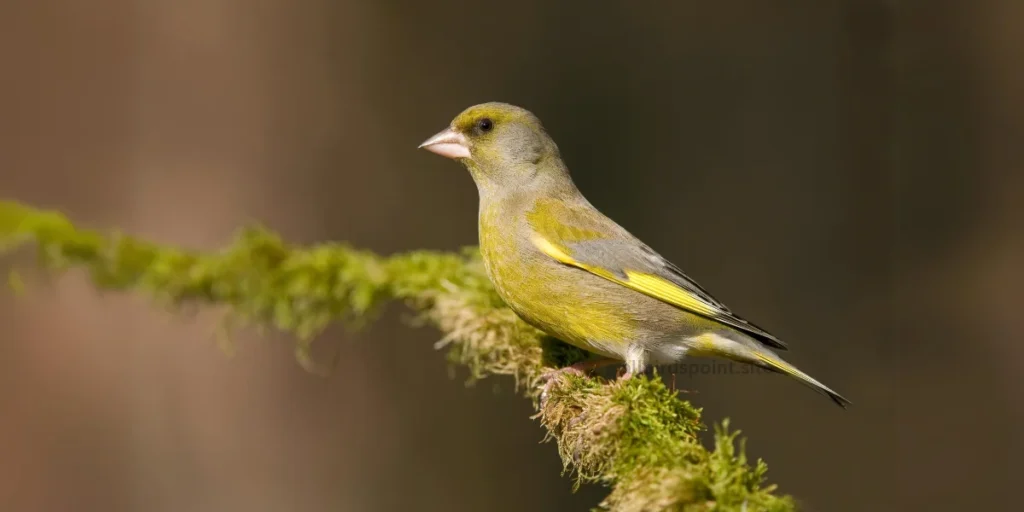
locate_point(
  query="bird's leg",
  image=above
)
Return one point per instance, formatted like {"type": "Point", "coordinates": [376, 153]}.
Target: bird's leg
{"type": "Point", "coordinates": [592, 364]}
{"type": "Point", "coordinates": [636, 361]}
{"type": "Point", "coordinates": [580, 368]}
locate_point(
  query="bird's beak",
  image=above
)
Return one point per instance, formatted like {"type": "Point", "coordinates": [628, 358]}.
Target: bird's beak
{"type": "Point", "coordinates": [448, 143]}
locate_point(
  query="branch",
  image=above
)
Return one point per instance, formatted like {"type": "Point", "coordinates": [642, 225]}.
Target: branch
{"type": "Point", "coordinates": [634, 436]}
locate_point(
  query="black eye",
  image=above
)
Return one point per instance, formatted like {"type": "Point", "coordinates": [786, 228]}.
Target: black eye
{"type": "Point", "coordinates": [485, 125]}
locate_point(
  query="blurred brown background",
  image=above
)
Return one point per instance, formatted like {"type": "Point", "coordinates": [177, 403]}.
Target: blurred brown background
{"type": "Point", "coordinates": [845, 173]}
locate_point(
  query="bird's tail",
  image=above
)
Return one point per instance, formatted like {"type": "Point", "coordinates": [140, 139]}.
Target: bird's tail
{"type": "Point", "coordinates": [752, 352]}
{"type": "Point", "coordinates": [775, 363]}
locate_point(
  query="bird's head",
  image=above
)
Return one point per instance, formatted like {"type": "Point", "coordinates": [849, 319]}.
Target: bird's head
{"type": "Point", "coordinates": [498, 143]}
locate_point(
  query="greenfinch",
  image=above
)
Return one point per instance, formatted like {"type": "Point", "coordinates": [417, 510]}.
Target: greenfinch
{"type": "Point", "coordinates": [575, 274]}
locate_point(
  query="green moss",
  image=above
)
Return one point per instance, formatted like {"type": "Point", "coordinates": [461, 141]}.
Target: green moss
{"type": "Point", "coordinates": [656, 428]}
{"type": "Point", "coordinates": [634, 436]}
{"type": "Point", "coordinates": [637, 436]}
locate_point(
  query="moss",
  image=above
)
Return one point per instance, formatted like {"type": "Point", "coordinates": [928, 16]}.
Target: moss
{"type": "Point", "coordinates": [635, 436]}
{"type": "Point", "coordinates": [638, 437]}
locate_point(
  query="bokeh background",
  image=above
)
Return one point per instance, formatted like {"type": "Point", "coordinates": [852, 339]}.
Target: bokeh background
{"type": "Point", "coordinates": [847, 174]}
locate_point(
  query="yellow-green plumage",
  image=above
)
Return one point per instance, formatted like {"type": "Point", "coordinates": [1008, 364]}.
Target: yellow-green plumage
{"type": "Point", "coordinates": [574, 273]}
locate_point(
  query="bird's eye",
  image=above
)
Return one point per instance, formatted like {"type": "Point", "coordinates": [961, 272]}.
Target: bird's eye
{"type": "Point", "coordinates": [485, 125]}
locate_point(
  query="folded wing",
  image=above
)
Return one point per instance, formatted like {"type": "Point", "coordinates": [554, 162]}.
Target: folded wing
{"type": "Point", "coordinates": [580, 236]}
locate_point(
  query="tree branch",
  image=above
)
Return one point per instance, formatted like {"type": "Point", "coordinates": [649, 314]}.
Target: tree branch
{"type": "Point", "coordinates": [634, 436]}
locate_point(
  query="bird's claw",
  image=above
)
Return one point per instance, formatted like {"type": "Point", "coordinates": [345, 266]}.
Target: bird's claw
{"type": "Point", "coordinates": [550, 376]}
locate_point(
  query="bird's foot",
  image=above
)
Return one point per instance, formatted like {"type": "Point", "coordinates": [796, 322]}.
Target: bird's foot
{"type": "Point", "coordinates": [624, 374]}
{"type": "Point", "coordinates": [580, 368]}
{"type": "Point", "coordinates": [550, 376]}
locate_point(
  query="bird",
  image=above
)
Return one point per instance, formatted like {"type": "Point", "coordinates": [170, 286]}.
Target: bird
{"type": "Point", "coordinates": [575, 274]}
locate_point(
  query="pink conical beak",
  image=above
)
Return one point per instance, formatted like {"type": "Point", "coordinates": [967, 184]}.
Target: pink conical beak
{"type": "Point", "coordinates": [448, 143]}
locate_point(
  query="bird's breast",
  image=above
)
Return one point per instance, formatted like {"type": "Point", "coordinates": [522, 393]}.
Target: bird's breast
{"type": "Point", "coordinates": [566, 302]}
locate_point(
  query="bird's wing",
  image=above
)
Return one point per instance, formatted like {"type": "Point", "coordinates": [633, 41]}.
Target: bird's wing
{"type": "Point", "coordinates": [580, 236]}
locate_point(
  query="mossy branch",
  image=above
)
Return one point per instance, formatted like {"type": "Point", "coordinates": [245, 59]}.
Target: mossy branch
{"type": "Point", "coordinates": [635, 436]}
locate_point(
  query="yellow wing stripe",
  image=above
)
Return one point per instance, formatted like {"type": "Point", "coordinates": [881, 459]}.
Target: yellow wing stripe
{"type": "Point", "coordinates": [642, 282]}
{"type": "Point", "coordinates": [668, 292]}
{"type": "Point", "coordinates": [550, 249]}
